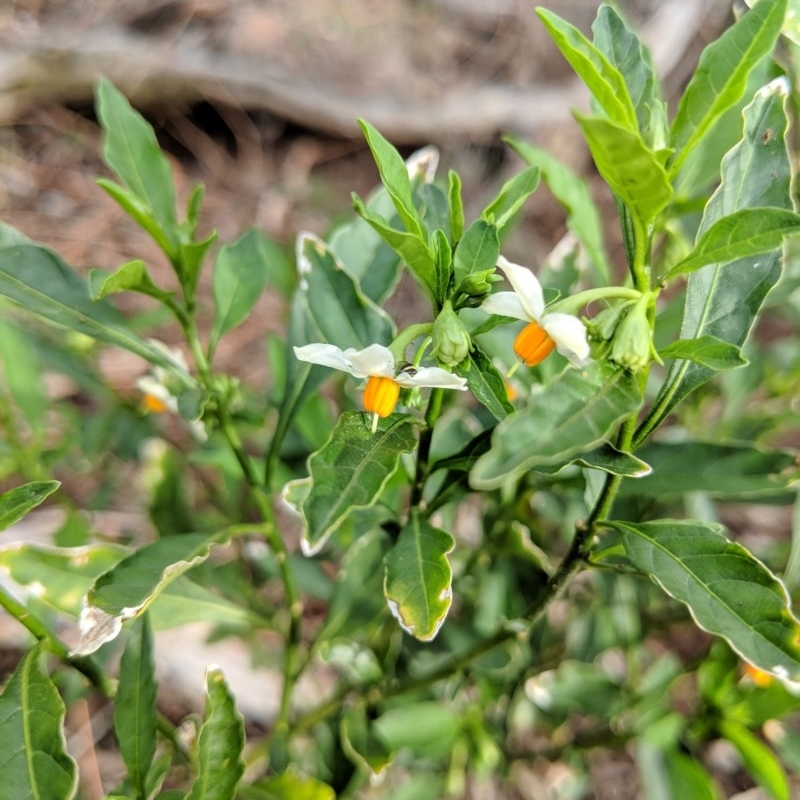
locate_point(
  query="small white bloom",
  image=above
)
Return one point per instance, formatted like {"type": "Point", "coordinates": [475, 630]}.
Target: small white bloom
{"type": "Point", "coordinates": [544, 331]}
{"type": "Point", "coordinates": [376, 363]}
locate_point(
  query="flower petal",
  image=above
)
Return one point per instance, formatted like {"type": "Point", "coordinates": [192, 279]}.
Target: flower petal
{"type": "Point", "coordinates": [526, 286]}
{"type": "Point", "coordinates": [569, 334]}
{"type": "Point", "coordinates": [435, 377]}
{"type": "Point", "coordinates": [326, 355]}
{"type": "Point", "coordinates": [506, 304]}
{"type": "Point", "coordinates": [374, 360]}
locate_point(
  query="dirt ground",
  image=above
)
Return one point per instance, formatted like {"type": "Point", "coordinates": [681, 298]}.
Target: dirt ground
{"type": "Point", "coordinates": [258, 101]}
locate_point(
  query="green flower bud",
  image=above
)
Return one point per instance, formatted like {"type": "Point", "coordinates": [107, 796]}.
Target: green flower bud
{"type": "Point", "coordinates": [601, 326]}
{"type": "Point", "coordinates": [451, 342]}
{"type": "Point", "coordinates": [632, 345]}
{"type": "Point", "coordinates": [477, 284]}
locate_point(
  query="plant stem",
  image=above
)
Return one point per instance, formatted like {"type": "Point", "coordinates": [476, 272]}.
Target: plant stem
{"type": "Point", "coordinates": [423, 452]}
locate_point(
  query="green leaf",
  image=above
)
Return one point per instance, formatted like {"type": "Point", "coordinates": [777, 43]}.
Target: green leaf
{"type": "Point", "coordinates": [358, 596]}
{"type": "Point", "coordinates": [191, 256]}
{"type": "Point", "coordinates": [220, 763]}
{"type": "Point", "coordinates": [486, 384]}
{"type": "Point", "coordinates": [725, 471]}
{"type": "Point", "coordinates": [419, 577]}
{"type": "Point", "coordinates": [351, 471]}
{"type": "Point", "coordinates": [510, 199]}
{"type": "Point", "coordinates": [241, 273]}
{"type": "Point", "coordinates": [426, 727]}
{"type": "Point", "coordinates": [616, 462]}
{"type": "Point", "coordinates": [602, 79]}
{"type": "Point", "coordinates": [23, 374]}
{"type": "Point", "coordinates": [131, 150]}
{"type": "Point", "coordinates": [416, 253]}
{"type": "Point", "coordinates": [628, 54]}
{"type": "Point", "coordinates": [571, 191]}
{"type": "Point", "coordinates": [477, 251]}
{"type": "Point", "coordinates": [443, 258]}
{"type": "Point", "coordinates": [572, 414]}
{"type": "Point", "coordinates": [708, 351]}
{"type": "Point", "coordinates": [762, 764]}
{"type": "Point", "coordinates": [132, 276]}
{"type": "Point", "coordinates": [34, 762]}
{"type": "Point", "coordinates": [456, 205]}
{"type": "Point", "coordinates": [728, 591]}
{"type": "Point", "coordinates": [135, 714]}
{"type": "Point", "coordinates": [290, 786]}
{"type": "Point", "coordinates": [628, 166]}
{"type": "Point", "coordinates": [666, 774]}
{"type": "Point", "coordinates": [40, 281]}
{"type": "Point", "coordinates": [340, 312]}
{"type": "Point", "coordinates": [747, 232]}
{"type": "Point", "coordinates": [721, 75]}
{"type": "Point", "coordinates": [130, 586]}
{"type": "Point", "coordinates": [16, 503]}
{"type": "Point", "coordinates": [723, 301]}
{"type": "Point", "coordinates": [361, 744]}
{"type": "Point", "coordinates": [394, 176]}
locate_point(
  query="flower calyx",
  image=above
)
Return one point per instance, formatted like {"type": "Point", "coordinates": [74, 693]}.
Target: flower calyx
{"type": "Point", "coordinates": [451, 342]}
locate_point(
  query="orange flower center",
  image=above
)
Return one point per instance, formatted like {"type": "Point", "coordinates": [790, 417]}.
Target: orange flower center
{"type": "Point", "coordinates": [154, 404]}
{"type": "Point", "coordinates": [380, 395]}
{"type": "Point", "coordinates": [533, 344]}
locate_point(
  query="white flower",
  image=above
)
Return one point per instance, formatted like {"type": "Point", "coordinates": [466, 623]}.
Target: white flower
{"type": "Point", "coordinates": [544, 331]}
{"type": "Point", "coordinates": [376, 363]}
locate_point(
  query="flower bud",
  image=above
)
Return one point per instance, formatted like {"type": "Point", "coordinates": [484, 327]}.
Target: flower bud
{"type": "Point", "coordinates": [451, 342]}
{"type": "Point", "coordinates": [601, 327]}
{"type": "Point", "coordinates": [633, 339]}
{"type": "Point", "coordinates": [477, 284]}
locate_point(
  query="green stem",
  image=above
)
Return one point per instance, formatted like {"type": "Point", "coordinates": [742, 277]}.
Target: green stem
{"type": "Point", "coordinates": [424, 449]}
{"type": "Point", "coordinates": [575, 302]}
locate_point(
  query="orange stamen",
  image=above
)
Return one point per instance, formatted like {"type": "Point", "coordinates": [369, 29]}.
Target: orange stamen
{"type": "Point", "coordinates": [380, 395]}
{"type": "Point", "coordinates": [757, 676]}
{"type": "Point", "coordinates": [153, 404]}
{"type": "Point", "coordinates": [533, 344]}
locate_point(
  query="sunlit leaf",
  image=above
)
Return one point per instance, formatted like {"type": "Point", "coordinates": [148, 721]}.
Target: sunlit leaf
{"type": "Point", "coordinates": [747, 232]}
{"type": "Point", "coordinates": [510, 199]}
{"type": "Point", "coordinates": [728, 591]}
{"type": "Point", "coordinates": [602, 79]}
{"type": "Point", "coordinates": [758, 759]}
{"type": "Point", "coordinates": [723, 301]}
{"type": "Point", "coordinates": [720, 78]}
{"type": "Point", "coordinates": [477, 251]}
{"type": "Point", "coordinates": [351, 470]}
{"type": "Point", "coordinates": [34, 761]}
{"type": "Point", "coordinates": [219, 750]}
{"type": "Point", "coordinates": [418, 578]}
{"type": "Point", "coordinates": [486, 383]}
{"type": "Point", "coordinates": [628, 166]}
{"type": "Point", "coordinates": [572, 414]}
{"type": "Point", "coordinates": [708, 351]}
{"type": "Point", "coordinates": [290, 786]}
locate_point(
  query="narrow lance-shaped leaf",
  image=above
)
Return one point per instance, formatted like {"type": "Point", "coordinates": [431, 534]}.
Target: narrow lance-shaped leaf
{"type": "Point", "coordinates": [729, 592]}
{"type": "Point", "coordinates": [721, 75]}
{"type": "Point", "coordinates": [350, 471]}
{"type": "Point", "coordinates": [34, 761]}
{"type": "Point", "coordinates": [708, 351]}
{"type": "Point", "coordinates": [361, 743]}
{"type": "Point", "coordinates": [572, 414]}
{"type": "Point", "coordinates": [132, 584]}
{"type": "Point", "coordinates": [219, 750]}
{"type": "Point", "coordinates": [419, 577]}
{"type": "Point", "coordinates": [135, 715]}
{"type": "Point", "coordinates": [571, 191]}
{"type": "Point", "coordinates": [602, 79]}
{"type": "Point", "coordinates": [626, 51]}
{"type": "Point", "coordinates": [394, 176]}
{"type": "Point", "coordinates": [131, 150]}
{"type": "Point", "coordinates": [628, 166]}
{"type": "Point", "coordinates": [511, 198]}
{"type": "Point", "coordinates": [241, 273]}
{"type": "Point", "coordinates": [414, 250]}
{"type": "Point", "coordinates": [40, 281]}
{"type": "Point", "coordinates": [16, 503]}
{"type": "Point", "coordinates": [456, 205]}
{"type": "Point", "coordinates": [723, 301]}
{"type": "Point", "coordinates": [758, 759]}
{"type": "Point", "coordinates": [747, 232]}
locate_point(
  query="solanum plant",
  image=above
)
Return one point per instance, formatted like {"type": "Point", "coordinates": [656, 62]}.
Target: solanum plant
{"type": "Point", "coordinates": [515, 497]}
